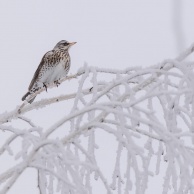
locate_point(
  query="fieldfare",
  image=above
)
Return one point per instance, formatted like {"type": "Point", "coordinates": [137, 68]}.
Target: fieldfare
{"type": "Point", "coordinates": [54, 65]}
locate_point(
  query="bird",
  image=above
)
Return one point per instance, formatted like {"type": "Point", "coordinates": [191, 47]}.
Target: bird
{"type": "Point", "coordinates": [55, 64]}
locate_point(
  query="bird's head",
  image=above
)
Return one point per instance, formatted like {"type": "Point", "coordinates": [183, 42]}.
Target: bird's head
{"type": "Point", "coordinates": [63, 44]}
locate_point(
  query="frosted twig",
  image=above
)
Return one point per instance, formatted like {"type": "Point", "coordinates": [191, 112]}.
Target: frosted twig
{"type": "Point", "coordinates": [138, 107]}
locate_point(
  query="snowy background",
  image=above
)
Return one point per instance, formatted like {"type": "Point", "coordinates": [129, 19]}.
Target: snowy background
{"type": "Point", "coordinates": [109, 34]}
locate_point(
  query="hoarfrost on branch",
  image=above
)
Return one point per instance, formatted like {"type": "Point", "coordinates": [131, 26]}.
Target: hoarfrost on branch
{"type": "Point", "coordinates": [150, 113]}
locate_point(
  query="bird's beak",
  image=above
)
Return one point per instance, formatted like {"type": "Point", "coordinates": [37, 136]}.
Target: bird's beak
{"type": "Point", "coordinates": [72, 43]}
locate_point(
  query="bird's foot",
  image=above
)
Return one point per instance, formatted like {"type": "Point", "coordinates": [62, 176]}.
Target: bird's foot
{"type": "Point", "coordinates": [90, 90]}
{"type": "Point", "coordinates": [45, 86]}
{"type": "Point", "coordinates": [57, 83]}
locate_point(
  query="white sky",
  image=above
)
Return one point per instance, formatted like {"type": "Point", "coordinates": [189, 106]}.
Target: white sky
{"type": "Point", "coordinates": [111, 34]}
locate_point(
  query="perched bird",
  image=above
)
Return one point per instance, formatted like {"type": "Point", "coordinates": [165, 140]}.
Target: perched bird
{"type": "Point", "coordinates": [54, 65]}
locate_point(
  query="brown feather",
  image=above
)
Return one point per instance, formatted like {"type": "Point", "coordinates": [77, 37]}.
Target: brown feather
{"type": "Point", "coordinates": [47, 56]}
{"type": "Point", "coordinates": [26, 95]}
{"type": "Point", "coordinates": [36, 74]}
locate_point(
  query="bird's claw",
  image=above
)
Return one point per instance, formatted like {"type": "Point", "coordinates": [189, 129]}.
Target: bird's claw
{"type": "Point", "coordinates": [57, 83]}
{"type": "Point", "coordinates": [44, 85]}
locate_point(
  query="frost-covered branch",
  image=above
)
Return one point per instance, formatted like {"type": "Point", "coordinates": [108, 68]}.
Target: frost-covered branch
{"type": "Point", "coordinates": [148, 113]}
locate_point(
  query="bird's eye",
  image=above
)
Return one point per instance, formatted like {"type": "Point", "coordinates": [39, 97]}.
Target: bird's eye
{"type": "Point", "coordinates": [65, 44]}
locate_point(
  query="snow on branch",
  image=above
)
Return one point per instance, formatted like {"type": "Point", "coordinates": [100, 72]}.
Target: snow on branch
{"type": "Point", "coordinates": [148, 111]}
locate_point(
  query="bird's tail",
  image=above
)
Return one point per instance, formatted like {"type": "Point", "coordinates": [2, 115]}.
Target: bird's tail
{"type": "Point", "coordinates": [26, 95]}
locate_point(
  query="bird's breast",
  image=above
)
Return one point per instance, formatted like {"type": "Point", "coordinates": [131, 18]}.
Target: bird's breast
{"type": "Point", "coordinates": [54, 73]}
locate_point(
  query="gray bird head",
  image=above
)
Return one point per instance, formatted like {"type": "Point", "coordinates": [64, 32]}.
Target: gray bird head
{"type": "Point", "coordinates": [63, 44]}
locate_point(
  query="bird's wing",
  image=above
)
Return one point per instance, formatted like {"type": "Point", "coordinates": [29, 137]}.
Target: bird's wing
{"type": "Point", "coordinates": [45, 59]}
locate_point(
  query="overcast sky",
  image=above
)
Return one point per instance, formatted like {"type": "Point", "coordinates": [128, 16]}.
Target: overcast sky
{"type": "Point", "coordinates": [109, 33]}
